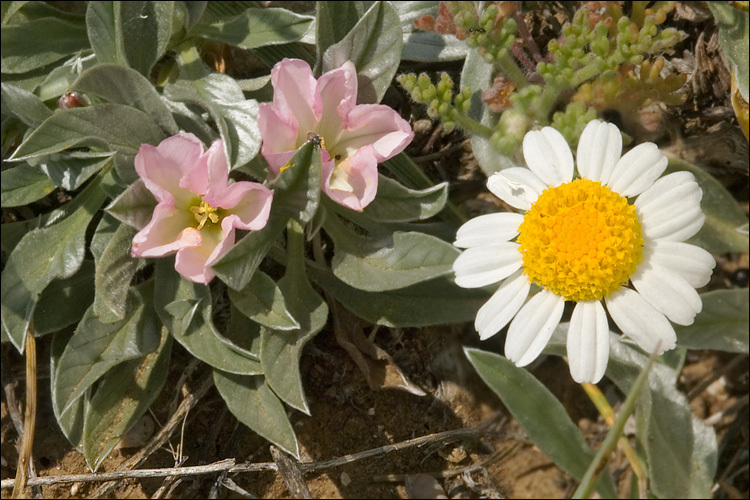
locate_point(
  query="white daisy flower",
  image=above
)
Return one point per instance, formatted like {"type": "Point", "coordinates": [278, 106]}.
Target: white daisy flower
{"type": "Point", "coordinates": [581, 240]}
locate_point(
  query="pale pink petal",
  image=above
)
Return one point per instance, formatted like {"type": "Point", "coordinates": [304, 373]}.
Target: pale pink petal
{"type": "Point", "coordinates": [162, 167]}
{"type": "Point", "coordinates": [533, 326]}
{"type": "Point", "coordinates": [248, 203]}
{"type": "Point", "coordinates": [376, 125]}
{"type": "Point", "coordinates": [352, 182]}
{"type": "Point", "coordinates": [548, 155]}
{"type": "Point", "coordinates": [599, 148]}
{"type": "Point", "coordinates": [338, 95]}
{"type": "Point", "coordinates": [277, 161]}
{"type": "Point", "coordinates": [194, 263]}
{"type": "Point", "coordinates": [588, 342]}
{"type": "Point", "coordinates": [218, 170]}
{"type": "Point", "coordinates": [295, 94]}
{"type": "Point", "coordinates": [518, 187]}
{"type": "Point", "coordinates": [278, 132]}
{"type": "Point", "coordinates": [165, 234]}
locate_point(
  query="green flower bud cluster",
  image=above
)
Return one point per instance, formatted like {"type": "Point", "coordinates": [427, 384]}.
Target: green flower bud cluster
{"type": "Point", "coordinates": [584, 52]}
{"type": "Point", "coordinates": [573, 120]}
{"type": "Point", "coordinates": [440, 99]}
{"type": "Point", "coordinates": [491, 32]}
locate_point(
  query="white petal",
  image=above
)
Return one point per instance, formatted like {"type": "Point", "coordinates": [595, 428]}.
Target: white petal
{"type": "Point", "coordinates": [588, 342]}
{"type": "Point", "coordinates": [533, 326]}
{"type": "Point", "coordinates": [488, 229]}
{"type": "Point", "coordinates": [503, 305]}
{"type": "Point", "coordinates": [599, 148]}
{"type": "Point", "coordinates": [518, 187]}
{"type": "Point", "coordinates": [637, 170]}
{"type": "Point", "coordinates": [691, 262]}
{"type": "Point", "coordinates": [678, 227]}
{"type": "Point", "coordinates": [669, 188]}
{"type": "Point", "coordinates": [548, 155]}
{"type": "Point", "coordinates": [481, 266]}
{"type": "Point", "coordinates": [640, 321]}
{"type": "Point", "coordinates": [669, 293]}
{"type": "Point", "coordinates": [670, 209]}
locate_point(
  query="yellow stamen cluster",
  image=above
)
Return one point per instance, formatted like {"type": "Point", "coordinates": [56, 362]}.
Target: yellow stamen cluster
{"type": "Point", "coordinates": [580, 240]}
{"type": "Point", "coordinates": [203, 213]}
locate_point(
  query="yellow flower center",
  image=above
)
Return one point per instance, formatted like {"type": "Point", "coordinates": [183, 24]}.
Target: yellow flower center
{"type": "Point", "coordinates": [203, 213]}
{"type": "Point", "coordinates": [580, 240]}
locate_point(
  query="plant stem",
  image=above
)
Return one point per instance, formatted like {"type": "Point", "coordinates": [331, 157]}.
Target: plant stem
{"type": "Point", "coordinates": [509, 66]}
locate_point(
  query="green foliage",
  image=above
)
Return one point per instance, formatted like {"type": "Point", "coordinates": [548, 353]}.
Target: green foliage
{"type": "Point", "coordinates": [594, 58]}
{"type": "Point", "coordinates": [83, 92]}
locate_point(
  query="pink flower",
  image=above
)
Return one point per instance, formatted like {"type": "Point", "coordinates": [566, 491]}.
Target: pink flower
{"type": "Point", "coordinates": [197, 210]}
{"type": "Point", "coordinates": [354, 138]}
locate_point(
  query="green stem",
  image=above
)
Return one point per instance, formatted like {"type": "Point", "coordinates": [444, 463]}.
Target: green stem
{"type": "Point", "coordinates": [586, 73]}
{"type": "Point", "coordinates": [472, 126]}
{"type": "Point", "coordinates": [610, 442]}
{"type": "Point", "coordinates": [295, 248]}
{"type": "Point", "coordinates": [547, 101]}
{"type": "Point", "coordinates": [511, 69]}
{"type": "Point", "coordinates": [190, 62]}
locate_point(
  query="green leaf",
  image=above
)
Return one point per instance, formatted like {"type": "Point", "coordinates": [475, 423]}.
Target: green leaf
{"type": "Point", "coordinates": [24, 184]}
{"type": "Point", "coordinates": [297, 187]}
{"type": "Point", "coordinates": [334, 20]}
{"type": "Point", "coordinates": [70, 422]}
{"type": "Point", "coordinates": [262, 301]}
{"type": "Point", "coordinates": [97, 347]}
{"type": "Point", "coordinates": [237, 266]}
{"type": "Point", "coordinates": [195, 10]}
{"type": "Point", "coordinates": [185, 309]}
{"type": "Point", "coordinates": [427, 47]}
{"type": "Point", "coordinates": [734, 39]}
{"type": "Point", "coordinates": [477, 75]}
{"type": "Point", "coordinates": [123, 128]}
{"type": "Point", "coordinates": [65, 301]}
{"type": "Point", "coordinates": [681, 449]}
{"type": "Point", "coordinates": [43, 255]}
{"type": "Point", "coordinates": [235, 117]}
{"type": "Point", "coordinates": [58, 81]}
{"type": "Point", "coordinates": [124, 395]}
{"type": "Point", "coordinates": [528, 401]}
{"type": "Point", "coordinates": [38, 43]}
{"type": "Point", "coordinates": [280, 351]}
{"type": "Point", "coordinates": [244, 335]}
{"type": "Point", "coordinates": [255, 405]}
{"type": "Point", "coordinates": [133, 34]}
{"type": "Point", "coordinates": [256, 28]}
{"type": "Point", "coordinates": [374, 46]}
{"type": "Point", "coordinates": [724, 218]}
{"type": "Point", "coordinates": [722, 325]}
{"type": "Point", "coordinates": [123, 85]}
{"type": "Point", "coordinates": [21, 12]}
{"type": "Point", "coordinates": [296, 195]}
{"type": "Point", "coordinates": [24, 105]}
{"type": "Point", "coordinates": [70, 171]}
{"type": "Point", "coordinates": [433, 302]}
{"type": "Point", "coordinates": [390, 262]}
{"type": "Point", "coordinates": [135, 206]}
{"type": "Point", "coordinates": [114, 272]}
{"type": "Point", "coordinates": [397, 203]}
